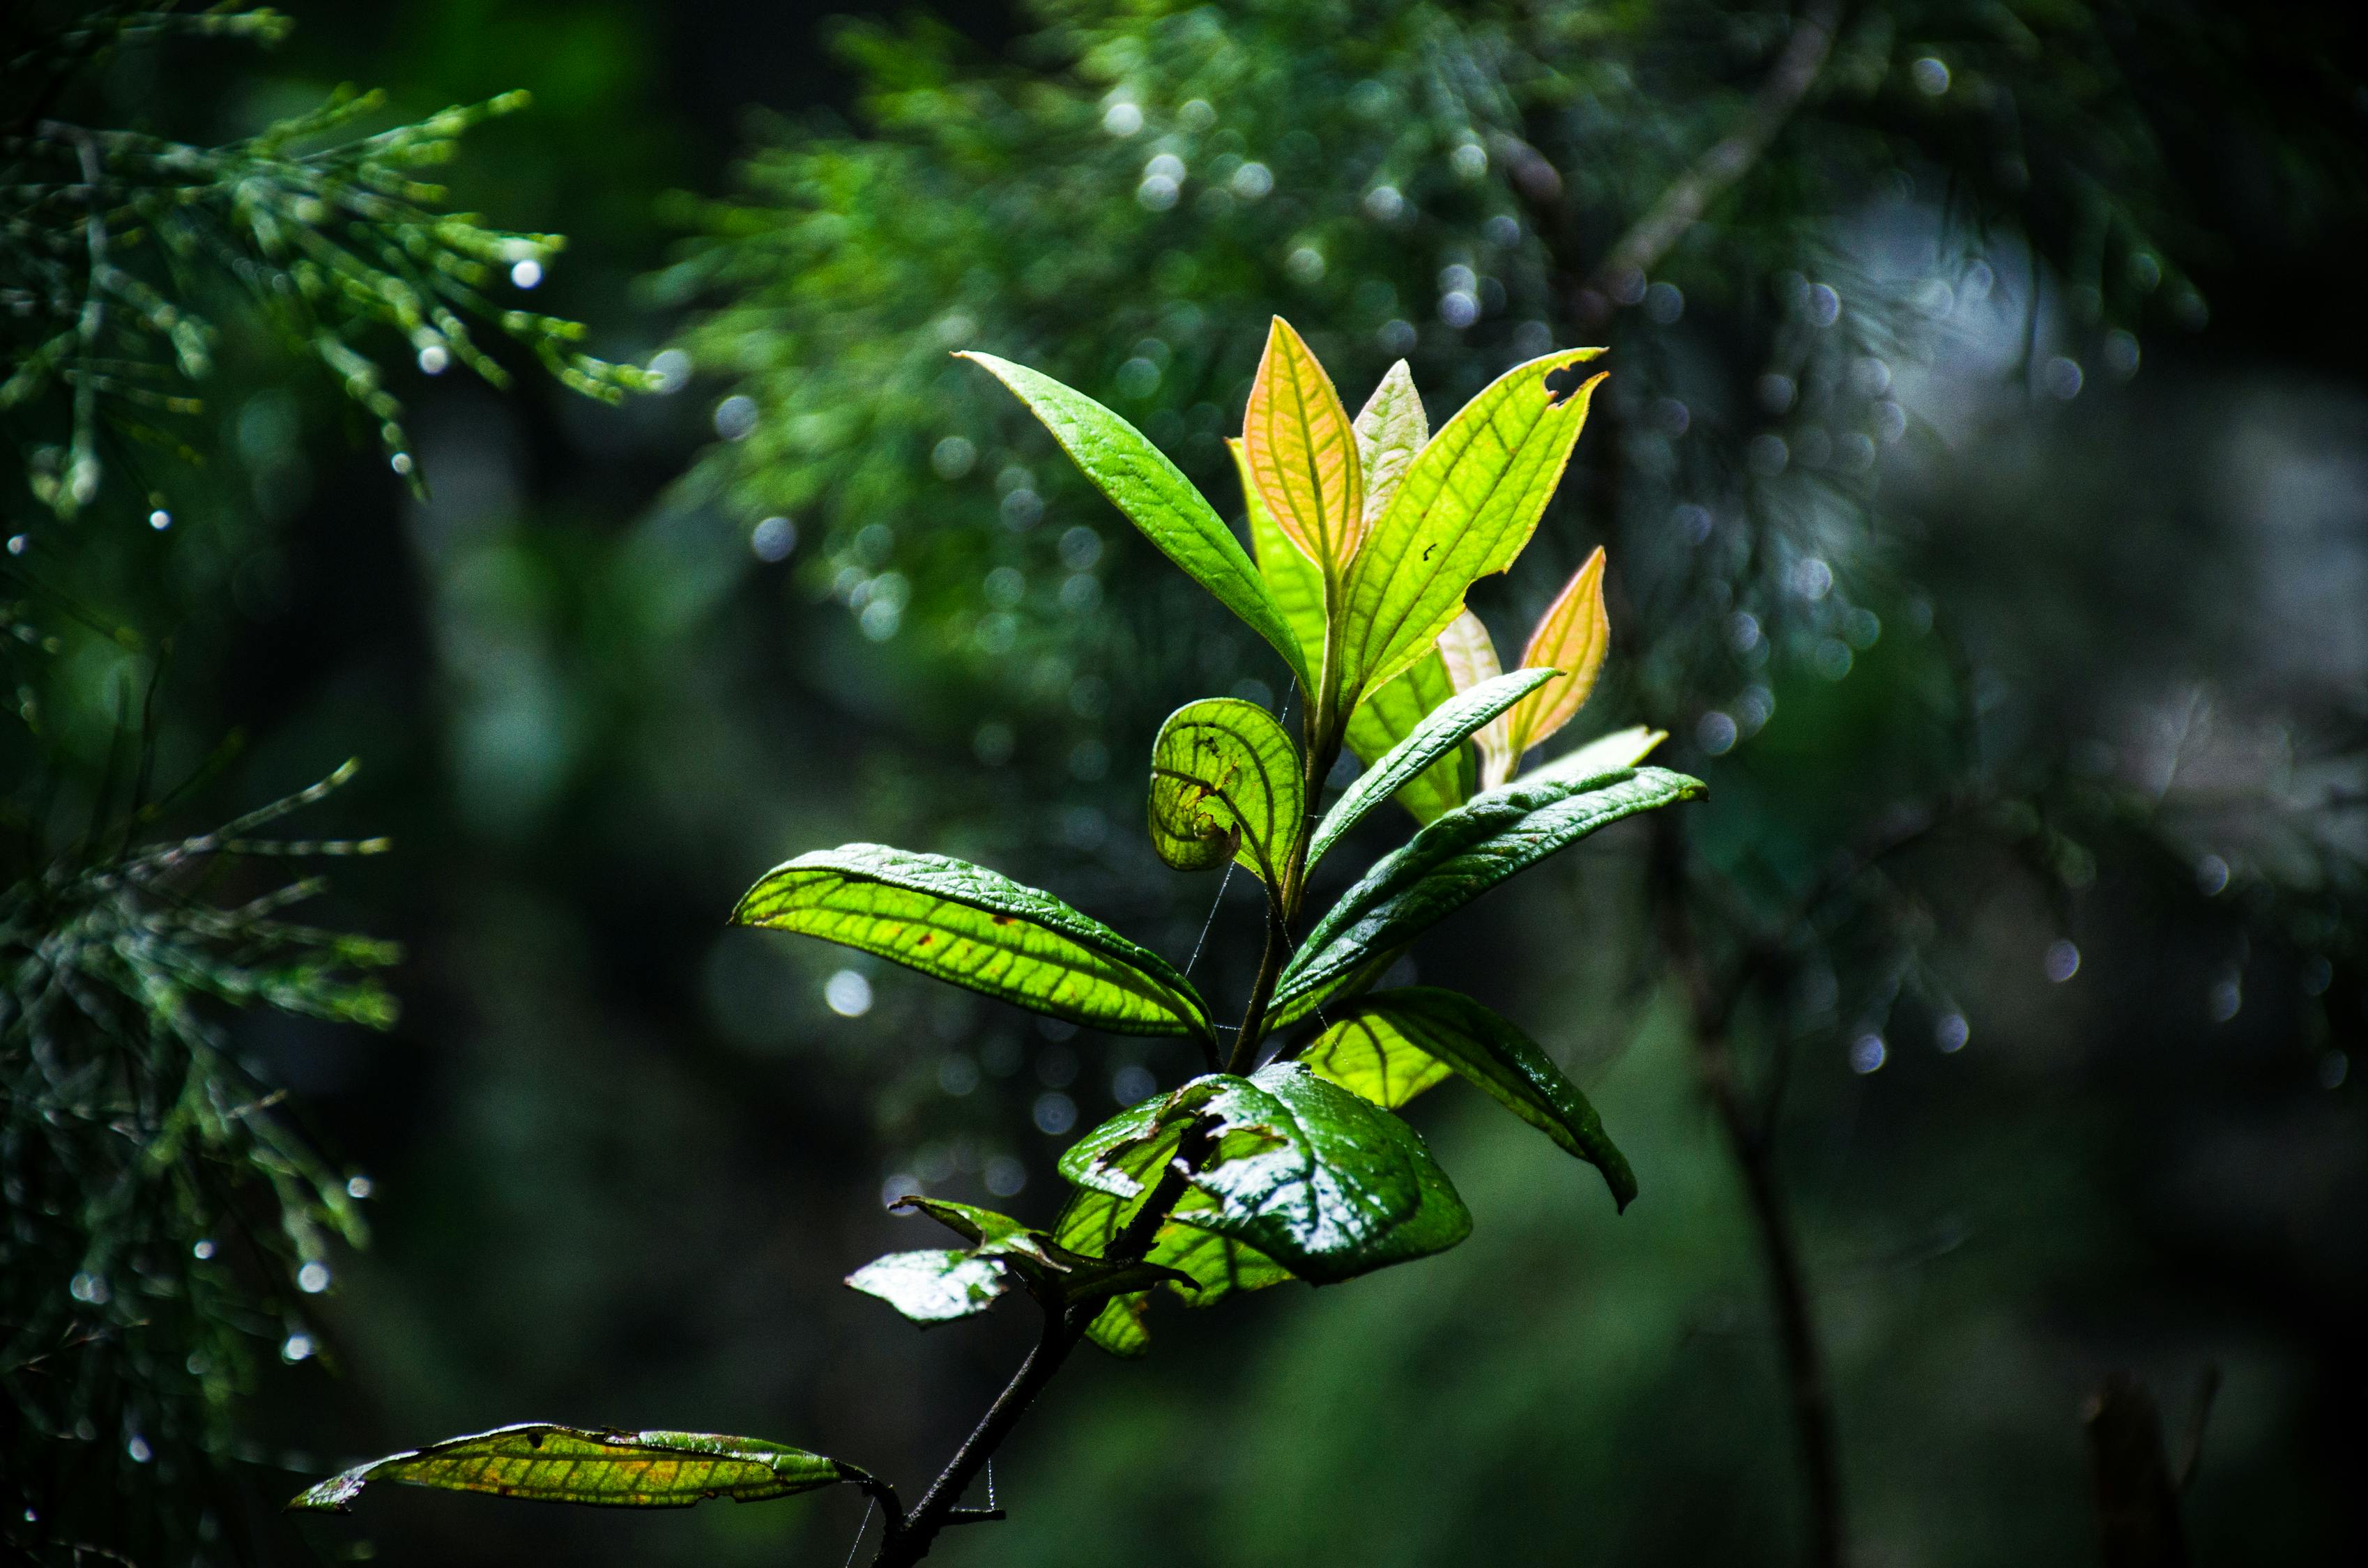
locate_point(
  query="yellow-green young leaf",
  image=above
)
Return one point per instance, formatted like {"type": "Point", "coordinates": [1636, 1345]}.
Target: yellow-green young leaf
{"type": "Point", "coordinates": [964, 924]}
{"type": "Point", "coordinates": [567, 1464]}
{"type": "Point", "coordinates": [1468, 505]}
{"type": "Point", "coordinates": [1572, 636]}
{"type": "Point", "coordinates": [1216, 1267]}
{"type": "Point", "coordinates": [1368, 1055]}
{"type": "Point", "coordinates": [1296, 583]}
{"type": "Point", "coordinates": [1443, 730]}
{"type": "Point", "coordinates": [1224, 782]}
{"type": "Point", "coordinates": [1391, 429]}
{"type": "Point", "coordinates": [1302, 452]}
{"type": "Point", "coordinates": [1471, 659]}
{"type": "Point", "coordinates": [1605, 754]}
{"type": "Point", "coordinates": [1460, 1033]}
{"type": "Point", "coordinates": [1390, 715]}
{"type": "Point", "coordinates": [1496, 835]}
{"type": "Point", "coordinates": [933, 1286]}
{"type": "Point", "coordinates": [1155, 497]}
{"type": "Point", "coordinates": [1119, 1328]}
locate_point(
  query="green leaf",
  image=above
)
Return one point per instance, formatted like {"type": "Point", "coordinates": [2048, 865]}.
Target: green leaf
{"type": "Point", "coordinates": [1214, 1266]}
{"type": "Point", "coordinates": [1462, 855]}
{"type": "Point", "coordinates": [990, 1234]}
{"type": "Point", "coordinates": [1441, 732]}
{"type": "Point", "coordinates": [1391, 429]}
{"type": "Point", "coordinates": [964, 924]}
{"type": "Point", "coordinates": [1119, 1327]}
{"type": "Point", "coordinates": [1388, 716]}
{"type": "Point", "coordinates": [1605, 754]}
{"type": "Point", "coordinates": [1310, 1003]}
{"type": "Point", "coordinates": [1296, 583]}
{"type": "Point", "coordinates": [1155, 497]}
{"type": "Point", "coordinates": [1366, 1053]}
{"type": "Point", "coordinates": [1224, 782]}
{"type": "Point", "coordinates": [568, 1464]}
{"type": "Point", "coordinates": [1455, 1031]}
{"type": "Point", "coordinates": [1470, 656]}
{"type": "Point", "coordinates": [1301, 452]}
{"type": "Point", "coordinates": [933, 1286]}
{"type": "Point", "coordinates": [1469, 503]}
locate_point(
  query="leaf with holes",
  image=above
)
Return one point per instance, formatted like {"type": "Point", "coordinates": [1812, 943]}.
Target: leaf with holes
{"type": "Point", "coordinates": [966, 924]}
{"type": "Point", "coordinates": [569, 1464]}
{"type": "Point", "coordinates": [1155, 495]}
{"type": "Point", "coordinates": [1454, 1031]}
{"type": "Point", "coordinates": [1469, 503]}
{"type": "Point", "coordinates": [1224, 784]}
{"type": "Point", "coordinates": [1494, 836]}
{"type": "Point", "coordinates": [1301, 452]}
{"type": "Point", "coordinates": [1443, 731]}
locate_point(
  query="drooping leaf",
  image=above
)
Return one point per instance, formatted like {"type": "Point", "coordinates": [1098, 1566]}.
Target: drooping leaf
{"type": "Point", "coordinates": [1468, 506]}
{"type": "Point", "coordinates": [1366, 1053]}
{"type": "Point", "coordinates": [1302, 452]}
{"type": "Point", "coordinates": [1443, 730]}
{"type": "Point", "coordinates": [1224, 783]}
{"type": "Point", "coordinates": [1155, 497]}
{"type": "Point", "coordinates": [1391, 429]}
{"type": "Point", "coordinates": [964, 924]}
{"type": "Point", "coordinates": [1605, 754]}
{"type": "Point", "coordinates": [569, 1464]}
{"type": "Point", "coordinates": [1463, 854]}
{"type": "Point", "coordinates": [1296, 583]}
{"type": "Point", "coordinates": [933, 1286]}
{"type": "Point", "coordinates": [1572, 636]}
{"type": "Point", "coordinates": [1471, 659]}
{"type": "Point", "coordinates": [1390, 715]}
{"type": "Point", "coordinates": [1451, 1030]}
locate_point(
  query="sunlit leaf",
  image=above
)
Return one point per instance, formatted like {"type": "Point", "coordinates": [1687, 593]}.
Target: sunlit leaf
{"type": "Point", "coordinates": [1454, 1031]}
{"type": "Point", "coordinates": [1572, 636]}
{"type": "Point", "coordinates": [1302, 452]}
{"type": "Point", "coordinates": [933, 1286]}
{"type": "Point", "coordinates": [1390, 715]}
{"type": "Point", "coordinates": [1215, 1266]}
{"type": "Point", "coordinates": [1469, 503]}
{"type": "Point", "coordinates": [964, 924]}
{"type": "Point", "coordinates": [1443, 730]}
{"type": "Point", "coordinates": [1225, 782]}
{"type": "Point", "coordinates": [1295, 582]}
{"type": "Point", "coordinates": [1366, 1053]}
{"type": "Point", "coordinates": [1119, 1328]}
{"type": "Point", "coordinates": [990, 1234]}
{"type": "Point", "coordinates": [1313, 1001]}
{"type": "Point", "coordinates": [1155, 497]}
{"type": "Point", "coordinates": [568, 1464]}
{"type": "Point", "coordinates": [1463, 854]}
{"type": "Point", "coordinates": [1391, 429]}
{"type": "Point", "coordinates": [1471, 659]}
{"type": "Point", "coordinates": [1605, 754]}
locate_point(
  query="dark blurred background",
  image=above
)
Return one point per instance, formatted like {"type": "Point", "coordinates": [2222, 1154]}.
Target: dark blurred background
{"type": "Point", "coordinates": [1985, 477]}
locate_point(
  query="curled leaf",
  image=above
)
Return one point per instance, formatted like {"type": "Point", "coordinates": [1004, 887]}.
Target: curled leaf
{"type": "Point", "coordinates": [1224, 784]}
{"type": "Point", "coordinates": [612, 1469]}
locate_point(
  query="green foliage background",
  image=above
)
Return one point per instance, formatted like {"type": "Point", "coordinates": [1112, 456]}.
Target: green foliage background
{"type": "Point", "coordinates": [623, 1155]}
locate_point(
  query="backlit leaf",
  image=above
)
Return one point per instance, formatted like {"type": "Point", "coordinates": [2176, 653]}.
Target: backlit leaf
{"type": "Point", "coordinates": [933, 1286]}
{"type": "Point", "coordinates": [1295, 582]}
{"type": "Point", "coordinates": [1471, 659]}
{"type": "Point", "coordinates": [1391, 429]}
{"type": "Point", "coordinates": [1390, 715]}
{"type": "Point", "coordinates": [568, 1464]}
{"type": "Point", "coordinates": [1468, 504]}
{"type": "Point", "coordinates": [1463, 854]}
{"type": "Point", "coordinates": [990, 1234]}
{"type": "Point", "coordinates": [1605, 754]}
{"type": "Point", "coordinates": [1454, 1031]}
{"type": "Point", "coordinates": [1224, 782]}
{"type": "Point", "coordinates": [964, 924]}
{"type": "Point", "coordinates": [1366, 1053]}
{"type": "Point", "coordinates": [1572, 636]}
{"type": "Point", "coordinates": [1155, 497]}
{"type": "Point", "coordinates": [1302, 453]}
{"type": "Point", "coordinates": [1119, 1327]}
{"type": "Point", "coordinates": [1443, 730]}
{"type": "Point", "coordinates": [1215, 1266]}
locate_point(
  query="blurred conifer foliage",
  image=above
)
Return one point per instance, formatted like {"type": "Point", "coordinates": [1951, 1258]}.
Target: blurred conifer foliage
{"type": "Point", "coordinates": [165, 1214]}
{"type": "Point", "coordinates": [1829, 245]}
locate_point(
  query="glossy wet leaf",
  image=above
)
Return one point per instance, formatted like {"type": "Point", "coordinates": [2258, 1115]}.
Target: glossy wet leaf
{"type": "Point", "coordinates": [1390, 715]}
{"type": "Point", "coordinates": [933, 1286]}
{"type": "Point", "coordinates": [1471, 659]}
{"type": "Point", "coordinates": [966, 924]}
{"type": "Point", "coordinates": [568, 1464]}
{"type": "Point", "coordinates": [1366, 1053]}
{"type": "Point", "coordinates": [1302, 453]}
{"type": "Point", "coordinates": [1469, 503]}
{"type": "Point", "coordinates": [1155, 497]}
{"type": "Point", "coordinates": [1572, 636]}
{"type": "Point", "coordinates": [1456, 1032]}
{"type": "Point", "coordinates": [1391, 429]}
{"type": "Point", "coordinates": [1494, 836]}
{"type": "Point", "coordinates": [1441, 732]}
{"type": "Point", "coordinates": [1295, 582]}
{"type": "Point", "coordinates": [1224, 783]}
